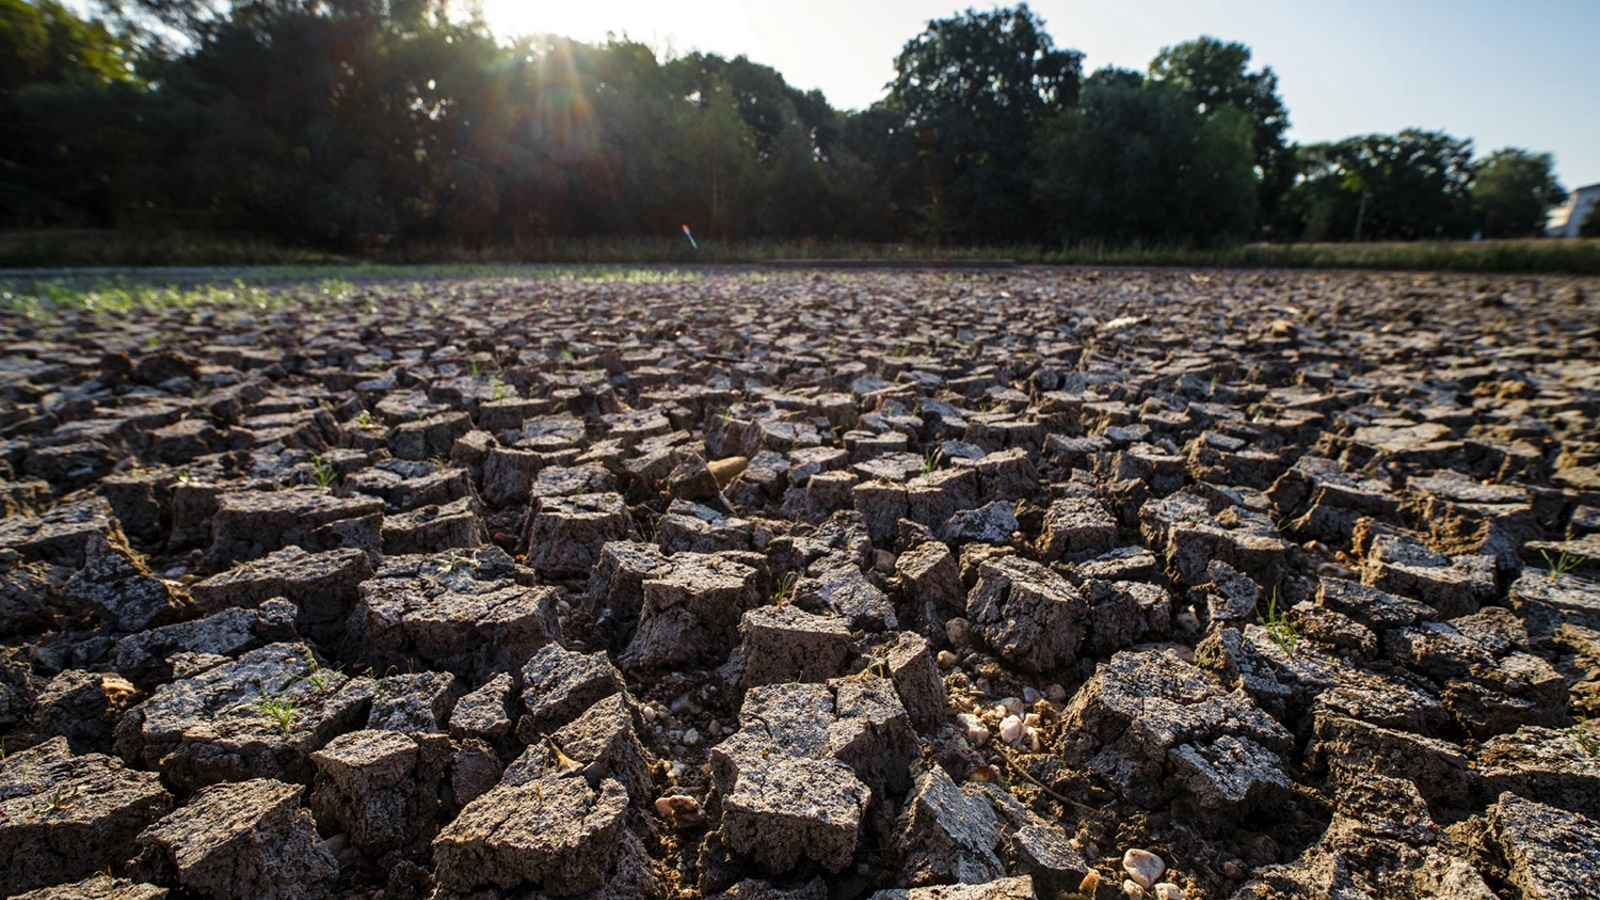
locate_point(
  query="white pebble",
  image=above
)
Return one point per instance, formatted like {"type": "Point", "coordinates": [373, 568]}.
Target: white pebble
{"type": "Point", "coordinates": [1030, 736]}
{"type": "Point", "coordinates": [1011, 729]}
{"type": "Point", "coordinates": [1166, 890]}
{"type": "Point", "coordinates": [1143, 866]}
{"type": "Point", "coordinates": [648, 712]}
{"type": "Point", "coordinates": [691, 738]}
{"type": "Point", "coordinates": [1132, 890]}
{"type": "Point", "coordinates": [977, 732]}
{"type": "Point", "coordinates": [676, 771]}
{"type": "Point", "coordinates": [1012, 706]}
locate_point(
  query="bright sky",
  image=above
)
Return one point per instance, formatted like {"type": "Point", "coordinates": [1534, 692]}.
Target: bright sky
{"type": "Point", "coordinates": [1523, 74]}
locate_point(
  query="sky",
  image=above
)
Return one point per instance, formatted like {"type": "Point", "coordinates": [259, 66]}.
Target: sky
{"type": "Point", "coordinates": [1523, 74]}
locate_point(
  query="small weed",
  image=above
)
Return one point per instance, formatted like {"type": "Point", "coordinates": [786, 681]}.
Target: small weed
{"type": "Point", "coordinates": [1587, 738]}
{"type": "Point", "coordinates": [1278, 629]}
{"type": "Point", "coordinates": [281, 709]}
{"type": "Point", "coordinates": [930, 459]}
{"type": "Point", "coordinates": [439, 462]}
{"type": "Point", "coordinates": [785, 593]}
{"type": "Point", "coordinates": [499, 388]}
{"type": "Point", "coordinates": [1562, 563]}
{"type": "Point", "coordinates": [322, 473]}
{"type": "Point", "coordinates": [317, 676]}
{"type": "Point", "coordinates": [364, 419]}
{"type": "Point", "coordinates": [473, 370]}
{"type": "Point", "coordinates": [61, 797]}
{"type": "Point", "coordinates": [1211, 387]}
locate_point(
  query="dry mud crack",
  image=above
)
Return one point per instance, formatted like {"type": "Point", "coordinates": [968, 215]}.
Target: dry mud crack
{"type": "Point", "coordinates": [808, 585]}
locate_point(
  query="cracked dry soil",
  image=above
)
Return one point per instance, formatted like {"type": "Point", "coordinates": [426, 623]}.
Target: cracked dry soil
{"type": "Point", "coordinates": [804, 585]}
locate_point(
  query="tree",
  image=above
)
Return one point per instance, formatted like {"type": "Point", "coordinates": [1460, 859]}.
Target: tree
{"type": "Point", "coordinates": [1414, 184]}
{"type": "Point", "coordinates": [1216, 76]}
{"type": "Point", "coordinates": [1511, 192]}
{"type": "Point", "coordinates": [972, 90]}
{"type": "Point", "coordinates": [1137, 162]}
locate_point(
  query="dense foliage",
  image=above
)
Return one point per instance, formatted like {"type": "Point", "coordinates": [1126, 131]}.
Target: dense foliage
{"type": "Point", "coordinates": [367, 124]}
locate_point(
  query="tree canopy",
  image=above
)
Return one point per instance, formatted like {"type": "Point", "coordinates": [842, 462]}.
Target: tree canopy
{"type": "Point", "coordinates": [366, 124]}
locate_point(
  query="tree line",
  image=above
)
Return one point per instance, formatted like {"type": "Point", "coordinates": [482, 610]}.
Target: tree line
{"type": "Point", "coordinates": [370, 124]}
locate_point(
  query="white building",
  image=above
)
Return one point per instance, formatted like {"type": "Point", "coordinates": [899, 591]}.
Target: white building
{"type": "Point", "coordinates": [1566, 219]}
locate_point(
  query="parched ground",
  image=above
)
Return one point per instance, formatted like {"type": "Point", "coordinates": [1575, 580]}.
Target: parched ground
{"type": "Point", "coordinates": [808, 584]}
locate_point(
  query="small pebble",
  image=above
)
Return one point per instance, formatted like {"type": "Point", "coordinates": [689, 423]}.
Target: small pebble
{"type": "Point", "coordinates": [691, 738]}
{"type": "Point", "coordinates": [1132, 890]}
{"type": "Point", "coordinates": [683, 812]}
{"type": "Point", "coordinates": [1030, 696]}
{"type": "Point", "coordinates": [959, 631]}
{"type": "Point", "coordinates": [1012, 706]}
{"type": "Point", "coordinates": [1090, 883]}
{"type": "Point", "coordinates": [1166, 890]}
{"type": "Point", "coordinates": [681, 704]}
{"type": "Point", "coordinates": [977, 732]}
{"type": "Point", "coordinates": [648, 712]}
{"type": "Point", "coordinates": [947, 660]}
{"type": "Point", "coordinates": [563, 607]}
{"type": "Point", "coordinates": [1143, 866]}
{"type": "Point", "coordinates": [1011, 730]}
{"type": "Point", "coordinates": [1234, 869]}
{"type": "Point", "coordinates": [676, 771]}
{"type": "Point", "coordinates": [1056, 692]}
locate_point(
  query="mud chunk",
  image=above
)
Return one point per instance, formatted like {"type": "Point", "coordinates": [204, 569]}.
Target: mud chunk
{"type": "Point", "coordinates": [1002, 889]}
{"type": "Point", "coordinates": [564, 534]}
{"type": "Point", "coordinates": [1077, 526]}
{"type": "Point", "coordinates": [1199, 524]}
{"type": "Point", "coordinates": [837, 585]}
{"type": "Point", "coordinates": [602, 742]}
{"type": "Point", "coordinates": [468, 612]}
{"type": "Point", "coordinates": [1546, 853]}
{"type": "Point", "coordinates": [143, 656]}
{"type": "Point", "coordinates": [252, 524]}
{"type": "Point", "coordinates": [1323, 502]}
{"type": "Point", "coordinates": [690, 611]}
{"type": "Point", "coordinates": [239, 841]}
{"type": "Point", "coordinates": [324, 587]}
{"type": "Point", "coordinates": [881, 505]}
{"type": "Point", "coordinates": [947, 835]}
{"type": "Point", "coordinates": [1376, 609]}
{"type": "Point", "coordinates": [1455, 586]}
{"type": "Point", "coordinates": [61, 536]}
{"type": "Point", "coordinates": [992, 523]}
{"type": "Point", "coordinates": [82, 707]}
{"type": "Point", "coordinates": [379, 787]}
{"type": "Point", "coordinates": [95, 887]}
{"type": "Point", "coordinates": [64, 816]}
{"type": "Point", "coordinates": [558, 684]}
{"type": "Point", "coordinates": [1029, 614]}
{"type": "Point", "coordinates": [484, 713]}
{"type": "Point", "coordinates": [119, 588]}
{"type": "Point", "coordinates": [912, 667]}
{"type": "Point", "coordinates": [786, 643]}
{"type": "Point", "coordinates": [1545, 764]}
{"type": "Point", "coordinates": [434, 529]}
{"type": "Point", "coordinates": [257, 716]}
{"type": "Point", "coordinates": [555, 833]}
{"type": "Point", "coordinates": [1158, 729]}
{"type": "Point", "coordinates": [1545, 604]}
{"type": "Point", "coordinates": [697, 528]}
{"type": "Point", "coordinates": [930, 578]}
{"type": "Point", "coordinates": [413, 704]}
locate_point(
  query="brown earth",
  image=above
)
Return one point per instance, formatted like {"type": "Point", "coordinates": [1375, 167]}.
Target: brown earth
{"type": "Point", "coordinates": [803, 585]}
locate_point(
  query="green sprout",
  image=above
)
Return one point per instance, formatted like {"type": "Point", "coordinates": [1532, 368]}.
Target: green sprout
{"type": "Point", "coordinates": [499, 388]}
{"type": "Point", "coordinates": [785, 593]}
{"type": "Point", "coordinates": [322, 473]}
{"type": "Point", "coordinates": [1278, 628]}
{"type": "Point", "coordinates": [439, 462]}
{"type": "Point", "coordinates": [1586, 737]}
{"type": "Point", "coordinates": [281, 709]}
{"type": "Point", "coordinates": [1562, 563]}
{"type": "Point", "coordinates": [472, 369]}
{"type": "Point", "coordinates": [364, 419]}
{"type": "Point", "coordinates": [930, 458]}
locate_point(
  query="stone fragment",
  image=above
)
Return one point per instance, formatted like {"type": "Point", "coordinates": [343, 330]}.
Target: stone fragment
{"type": "Point", "coordinates": [241, 841]}
{"type": "Point", "coordinates": [64, 816]}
